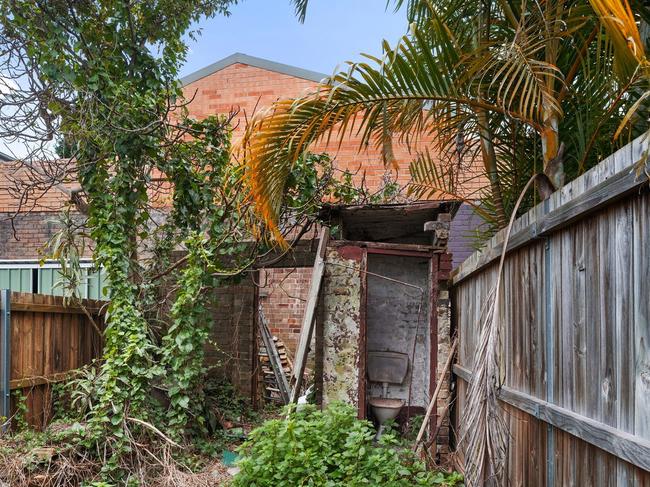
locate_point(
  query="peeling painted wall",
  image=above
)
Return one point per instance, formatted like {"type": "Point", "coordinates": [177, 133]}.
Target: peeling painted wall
{"type": "Point", "coordinates": [443, 309]}
{"type": "Point", "coordinates": [341, 325]}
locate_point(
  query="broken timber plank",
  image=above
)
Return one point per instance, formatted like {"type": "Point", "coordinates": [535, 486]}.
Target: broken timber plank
{"type": "Point", "coordinates": [274, 358]}
{"type": "Point", "coordinates": [307, 328]}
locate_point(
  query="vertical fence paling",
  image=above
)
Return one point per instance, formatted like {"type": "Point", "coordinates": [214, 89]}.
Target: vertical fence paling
{"type": "Point", "coordinates": [5, 355]}
{"type": "Point", "coordinates": [574, 323]}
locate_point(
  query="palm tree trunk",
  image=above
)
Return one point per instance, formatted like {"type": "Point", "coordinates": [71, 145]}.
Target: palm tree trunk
{"type": "Point", "coordinates": [550, 117]}
{"type": "Point", "coordinates": [487, 140]}
{"type": "Point", "coordinates": [490, 162]}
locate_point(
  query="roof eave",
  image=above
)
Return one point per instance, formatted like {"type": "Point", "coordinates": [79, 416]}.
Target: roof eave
{"type": "Point", "coordinates": [240, 58]}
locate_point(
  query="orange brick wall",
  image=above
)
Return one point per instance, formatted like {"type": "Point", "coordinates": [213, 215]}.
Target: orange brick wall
{"type": "Point", "coordinates": [283, 295]}
{"type": "Point", "coordinates": [249, 90]}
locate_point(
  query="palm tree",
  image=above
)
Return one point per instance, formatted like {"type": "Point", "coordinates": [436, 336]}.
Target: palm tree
{"type": "Point", "coordinates": [526, 88]}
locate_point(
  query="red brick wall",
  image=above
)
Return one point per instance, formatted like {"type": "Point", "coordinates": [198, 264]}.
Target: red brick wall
{"type": "Point", "coordinates": [251, 89]}
{"type": "Point", "coordinates": [232, 344]}
{"type": "Point", "coordinates": [24, 239]}
{"type": "Point", "coordinates": [283, 295]}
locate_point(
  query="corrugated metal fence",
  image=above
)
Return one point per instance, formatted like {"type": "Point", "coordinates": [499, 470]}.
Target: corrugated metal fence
{"type": "Point", "coordinates": [41, 341]}
{"type": "Point", "coordinates": [31, 276]}
{"type": "Point", "coordinates": [575, 327]}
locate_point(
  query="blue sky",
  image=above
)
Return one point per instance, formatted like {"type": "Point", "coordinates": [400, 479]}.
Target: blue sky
{"type": "Point", "coordinates": [334, 31]}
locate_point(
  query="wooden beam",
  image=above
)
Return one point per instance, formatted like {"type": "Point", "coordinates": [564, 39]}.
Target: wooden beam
{"type": "Point", "coordinates": [424, 249]}
{"type": "Point", "coordinates": [307, 328]}
{"type": "Point", "coordinates": [303, 254]}
{"type": "Point", "coordinates": [626, 446]}
{"type": "Point", "coordinates": [40, 380]}
{"type": "Point", "coordinates": [51, 308]}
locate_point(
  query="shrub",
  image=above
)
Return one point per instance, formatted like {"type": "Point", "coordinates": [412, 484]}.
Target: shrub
{"type": "Point", "coordinates": [327, 448]}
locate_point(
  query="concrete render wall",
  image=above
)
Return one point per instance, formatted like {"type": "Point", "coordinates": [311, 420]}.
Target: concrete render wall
{"type": "Point", "coordinates": [398, 321]}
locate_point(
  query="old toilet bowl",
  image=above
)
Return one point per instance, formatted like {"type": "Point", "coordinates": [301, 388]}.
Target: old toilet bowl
{"type": "Point", "coordinates": [386, 367]}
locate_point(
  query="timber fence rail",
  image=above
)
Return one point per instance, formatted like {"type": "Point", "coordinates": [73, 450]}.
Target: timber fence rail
{"type": "Point", "coordinates": [574, 317]}
{"type": "Point", "coordinates": [43, 342]}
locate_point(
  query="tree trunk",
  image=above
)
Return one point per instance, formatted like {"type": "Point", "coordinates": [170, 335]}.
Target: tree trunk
{"type": "Point", "coordinates": [490, 162]}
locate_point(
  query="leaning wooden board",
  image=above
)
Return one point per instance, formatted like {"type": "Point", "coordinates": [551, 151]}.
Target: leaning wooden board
{"type": "Point", "coordinates": [307, 328]}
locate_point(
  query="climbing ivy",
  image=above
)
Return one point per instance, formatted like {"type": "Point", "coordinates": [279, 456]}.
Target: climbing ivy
{"type": "Point", "coordinates": [104, 75]}
{"type": "Point", "coordinates": [100, 77]}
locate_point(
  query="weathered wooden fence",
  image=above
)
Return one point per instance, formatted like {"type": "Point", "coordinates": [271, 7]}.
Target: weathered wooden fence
{"type": "Point", "coordinates": [575, 326]}
{"type": "Point", "coordinates": [41, 341]}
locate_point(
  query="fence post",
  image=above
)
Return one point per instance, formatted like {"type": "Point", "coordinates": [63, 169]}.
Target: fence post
{"type": "Point", "coordinates": [5, 356]}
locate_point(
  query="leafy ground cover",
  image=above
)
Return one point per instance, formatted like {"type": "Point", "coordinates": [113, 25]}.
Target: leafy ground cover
{"type": "Point", "coordinates": [330, 448]}
{"type": "Point", "coordinates": [308, 447]}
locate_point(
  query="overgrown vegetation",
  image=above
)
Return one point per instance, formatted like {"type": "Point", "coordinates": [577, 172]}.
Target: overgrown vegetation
{"type": "Point", "coordinates": [59, 456]}
{"type": "Point", "coordinates": [158, 195]}
{"type": "Point", "coordinates": [486, 94]}
{"type": "Point", "coordinates": [329, 448]}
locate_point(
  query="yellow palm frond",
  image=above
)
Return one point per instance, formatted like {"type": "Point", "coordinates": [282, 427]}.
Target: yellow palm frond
{"type": "Point", "coordinates": [621, 27]}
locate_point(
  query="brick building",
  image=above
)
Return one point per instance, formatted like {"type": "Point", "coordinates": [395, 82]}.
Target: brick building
{"type": "Point", "coordinates": [249, 84]}
{"type": "Point", "coordinates": [242, 84]}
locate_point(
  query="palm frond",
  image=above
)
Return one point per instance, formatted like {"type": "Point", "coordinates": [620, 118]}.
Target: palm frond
{"type": "Point", "coordinates": [432, 178]}
{"type": "Point", "coordinates": [619, 20]}
{"type": "Point", "coordinates": [413, 89]}
{"type": "Point", "coordinates": [300, 7]}
{"type": "Point", "coordinates": [515, 74]}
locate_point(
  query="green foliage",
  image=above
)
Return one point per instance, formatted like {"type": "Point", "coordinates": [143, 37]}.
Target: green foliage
{"type": "Point", "coordinates": [328, 448]}
{"type": "Point", "coordinates": [224, 404]}
{"type": "Point", "coordinates": [182, 347]}
{"type": "Point", "coordinates": [106, 73]}
{"type": "Point", "coordinates": [313, 179]}
{"type": "Point", "coordinates": [19, 420]}
{"type": "Point", "coordinates": [75, 399]}
{"type": "Point", "coordinates": [68, 246]}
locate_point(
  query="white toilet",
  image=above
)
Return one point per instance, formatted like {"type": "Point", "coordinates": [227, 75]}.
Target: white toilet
{"type": "Point", "coordinates": [386, 368]}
